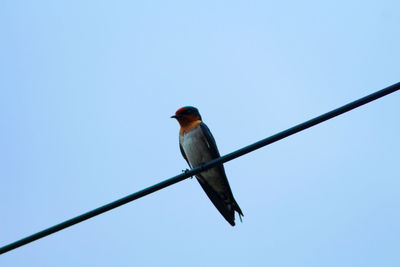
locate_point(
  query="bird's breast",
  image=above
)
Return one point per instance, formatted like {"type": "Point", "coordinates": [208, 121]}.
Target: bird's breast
{"type": "Point", "coordinates": [196, 147]}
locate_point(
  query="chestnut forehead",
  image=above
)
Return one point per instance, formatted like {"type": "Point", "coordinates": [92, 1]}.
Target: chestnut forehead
{"type": "Point", "coordinates": [181, 110]}
{"type": "Point", "coordinates": [187, 108]}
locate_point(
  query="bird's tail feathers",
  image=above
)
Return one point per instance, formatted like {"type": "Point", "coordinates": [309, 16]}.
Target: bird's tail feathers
{"type": "Point", "coordinates": [238, 210]}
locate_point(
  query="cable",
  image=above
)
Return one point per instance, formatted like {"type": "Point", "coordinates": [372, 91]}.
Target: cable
{"type": "Point", "coordinates": [208, 165]}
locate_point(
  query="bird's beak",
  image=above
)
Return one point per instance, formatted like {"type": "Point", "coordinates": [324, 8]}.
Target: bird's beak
{"type": "Point", "coordinates": [177, 116]}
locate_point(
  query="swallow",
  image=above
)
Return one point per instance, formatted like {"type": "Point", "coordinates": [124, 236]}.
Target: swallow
{"type": "Point", "coordinates": [198, 146]}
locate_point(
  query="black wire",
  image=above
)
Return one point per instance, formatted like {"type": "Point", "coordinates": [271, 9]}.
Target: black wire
{"type": "Point", "coordinates": [208, 165]}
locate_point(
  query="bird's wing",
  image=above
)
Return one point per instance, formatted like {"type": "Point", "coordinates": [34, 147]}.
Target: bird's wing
{"type": "Point", "coordinates": [209, 139]}
{"type": "Point", "coordinates": [221, 205]}
{"type": "Point", "coordinates": [225, 204]}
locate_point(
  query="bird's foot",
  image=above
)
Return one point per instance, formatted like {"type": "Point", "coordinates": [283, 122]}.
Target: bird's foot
{"type": "Point", "coordinates": [185, 171]}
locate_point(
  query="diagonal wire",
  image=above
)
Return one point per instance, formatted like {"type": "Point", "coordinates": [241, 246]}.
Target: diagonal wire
{"type": "Point", "coordinates": [206, 166]}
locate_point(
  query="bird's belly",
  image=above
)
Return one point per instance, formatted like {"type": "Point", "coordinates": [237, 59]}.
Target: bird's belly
{"type": "Point", "coordinates": [197, 153]}
{"type": "Point", "coordinates": [196, 150]}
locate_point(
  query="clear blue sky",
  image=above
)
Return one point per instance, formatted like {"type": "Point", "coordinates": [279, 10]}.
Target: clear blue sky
{"type": "Point", "coordinates": [86, 92]}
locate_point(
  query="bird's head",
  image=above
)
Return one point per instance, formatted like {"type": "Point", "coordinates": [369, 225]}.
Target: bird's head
{"type": "Point", "coordinates": [186, 115]}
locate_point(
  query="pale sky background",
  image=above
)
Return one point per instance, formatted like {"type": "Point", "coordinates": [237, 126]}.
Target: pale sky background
{"type": "Point", "coordinates": [87, 89]}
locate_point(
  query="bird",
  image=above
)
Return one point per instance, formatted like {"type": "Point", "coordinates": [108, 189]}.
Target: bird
{"type": "Point", "coordinates": [198, 146]}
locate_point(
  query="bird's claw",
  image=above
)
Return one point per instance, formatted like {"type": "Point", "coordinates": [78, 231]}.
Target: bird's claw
{"type": "Point", "coordinates": [185, 171]}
